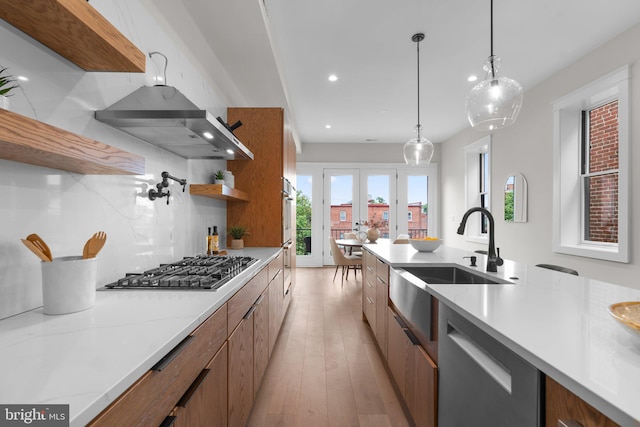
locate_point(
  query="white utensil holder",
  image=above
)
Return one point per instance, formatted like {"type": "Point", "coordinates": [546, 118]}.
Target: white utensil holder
{"type": "Point", "coordinates": [68, 284]}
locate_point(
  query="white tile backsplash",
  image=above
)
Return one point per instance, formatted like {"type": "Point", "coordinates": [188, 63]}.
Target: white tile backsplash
{"type": "Point", "coordinates": [65, 208]}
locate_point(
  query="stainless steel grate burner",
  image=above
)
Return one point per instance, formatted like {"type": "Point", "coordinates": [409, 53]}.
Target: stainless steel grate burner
{"type": "Point", "coordinates": [192, 273]}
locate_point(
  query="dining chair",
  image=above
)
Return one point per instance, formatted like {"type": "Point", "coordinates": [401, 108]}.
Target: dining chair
{"type": "Point", "coordinates": [347, 262]}
{"type": "Point", "coordinates": [354, 237]}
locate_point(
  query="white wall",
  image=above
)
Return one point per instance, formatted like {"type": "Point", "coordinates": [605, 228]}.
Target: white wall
{"type": "Point", "coordinates": [64, 208]}
{"type": "Point", "coordinates": [362, 153]}
{"type": "Point", "coordinates": [526, 147]}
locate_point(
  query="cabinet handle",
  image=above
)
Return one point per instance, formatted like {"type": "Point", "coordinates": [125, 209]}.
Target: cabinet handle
{"type": "Point", "coordinates": [192, 390]}
{"type": "Point", "coordinates": [568, 423]}
{"type": "Point", "coordinates": [370, 300]}
{"type": "Point", "coordinates": [406, 330]}
{"type": "Point", "coordinates": [259, 300]}
{"type": "Point", "coordinates": [168, 421]}
{"type": "Point", "coordinates": [411, 336]}
{"type": "Point", "coordinates": [250, 312]}
{"type": "Point", "coordinates": [166, 360]}
{"type": "Point", "coordinates": [381, 280]}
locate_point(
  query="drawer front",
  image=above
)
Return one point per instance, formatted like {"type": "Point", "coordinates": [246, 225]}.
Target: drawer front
{"type": "Point", "coordinates": [370, 308]}
{"type": "Point", "coordinates": [154, 395]}
{"type": "Point", "coordinates": [240, 303]}
{"type": "Point", "coordinates": [276, 265]}
{"type": "Point", "coordinates": [382, 271]}
{"type": "Point", "coordinates": [213, 331]}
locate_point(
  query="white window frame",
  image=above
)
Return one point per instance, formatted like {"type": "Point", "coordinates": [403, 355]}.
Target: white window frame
{"type": "Point", "coordinates": [568, 209]}
{"type": "Point", "coordinates": [472, 183]}
{"type": "Point", "coordinates": [409, 216]}
{"type": "Point", "coordinates": [343, 216]}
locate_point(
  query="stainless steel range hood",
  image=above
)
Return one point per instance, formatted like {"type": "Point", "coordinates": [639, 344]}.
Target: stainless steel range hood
{"type": "Point", "coordinates": [164, 117]}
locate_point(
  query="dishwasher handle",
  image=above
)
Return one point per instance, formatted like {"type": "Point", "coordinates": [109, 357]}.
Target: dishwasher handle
{"type": "Point", "coordinates": [480, 356]}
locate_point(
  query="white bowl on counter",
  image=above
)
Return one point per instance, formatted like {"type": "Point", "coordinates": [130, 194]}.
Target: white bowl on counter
{"type": "Point", "coordinates": [425, 245]}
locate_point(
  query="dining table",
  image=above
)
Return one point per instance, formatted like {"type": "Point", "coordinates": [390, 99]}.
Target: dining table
{"type": "Point", "coordinates": [349, 244]}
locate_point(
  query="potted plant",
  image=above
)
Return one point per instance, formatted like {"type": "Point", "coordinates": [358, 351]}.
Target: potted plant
{"type": "Point", "coordinates": [237, 232]}
{"type": "Point", "coordinates": [219, 177]}
{"type": "Point", "coordinates": [5, 88]}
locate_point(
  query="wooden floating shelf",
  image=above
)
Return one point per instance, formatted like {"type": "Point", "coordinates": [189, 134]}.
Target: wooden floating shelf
{"type": "Point", "coordinates": [26, 140]}
{"type": "Point", "coordinates": [75, 30]}
{"type": "Point", "coordinates": [218, 191]}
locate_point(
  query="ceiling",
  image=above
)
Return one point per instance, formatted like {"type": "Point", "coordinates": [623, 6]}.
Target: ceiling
{"type": "Point", "coordinates": [286, 59]}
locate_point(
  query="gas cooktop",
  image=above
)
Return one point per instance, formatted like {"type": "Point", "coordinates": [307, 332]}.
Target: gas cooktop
{"type": "Point", "coordinates": [191, 273]}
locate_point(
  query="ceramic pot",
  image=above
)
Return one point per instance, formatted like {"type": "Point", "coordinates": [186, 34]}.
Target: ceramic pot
{"type": "Point", "coordinates": [4, 102]}
{"type": "Point", "coordinates": [373, 234]}
{"type": "Point", "coordinates": [237, 243]}
{"type": "Point", "coordinates": [219, 181]}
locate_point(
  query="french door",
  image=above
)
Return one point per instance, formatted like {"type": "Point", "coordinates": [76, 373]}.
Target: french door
{"type": "Point", "coordinates": [341, 207]}
{"type": "Point", "coordinates": [333, 199]}
{"type": "Point", "coordinates": [355, 196]}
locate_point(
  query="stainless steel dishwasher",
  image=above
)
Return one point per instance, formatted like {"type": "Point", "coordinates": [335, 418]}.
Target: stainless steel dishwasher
{"type": "Point", "coordinates": [481, 382]}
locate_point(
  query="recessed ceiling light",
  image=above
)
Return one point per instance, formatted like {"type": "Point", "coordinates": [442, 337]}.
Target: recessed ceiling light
{"type": "Point", "coordinates": [230, 151]}
{"type": "Point", "coordinates": [327, 126]}
{"type": "Point", "coordinates": [472, 78]}
{"type": "Point", "coordinates": [22, 78]}
{"type": "Point", "coordinates": [207, 135]}
{"type": "Point", "coordinates": [333, 78]}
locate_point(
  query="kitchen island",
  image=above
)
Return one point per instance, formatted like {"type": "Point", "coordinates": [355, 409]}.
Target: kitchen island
{"type": "Point", "coordinates": [88, 359]}
{"type": "Point", "coordinates": [557, 322]}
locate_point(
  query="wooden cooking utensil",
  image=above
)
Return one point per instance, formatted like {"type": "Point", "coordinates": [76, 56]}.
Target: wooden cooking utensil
{"type": "Point", "coordinates": [36, 250]}
{"type": "Point", "coordinates": [39, 243]}
{"type": "Point", "coordinates": [94, 245]}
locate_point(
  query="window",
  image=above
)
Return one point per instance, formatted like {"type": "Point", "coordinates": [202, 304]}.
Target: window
{"type": "Point", "coordinates": [478, 186]}
{"type": "Point", "coordinates": [590, 197]}
{"type": "Point", "coordinates": [410, 216]}
{"type": "Point", "coordinates": [343, 216]}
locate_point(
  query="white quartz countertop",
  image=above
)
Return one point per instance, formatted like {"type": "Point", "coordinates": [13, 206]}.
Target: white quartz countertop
{"type": "Point", "coordinates": [557, 322]}
{"type": "Point", "coordinates": [87, 359]}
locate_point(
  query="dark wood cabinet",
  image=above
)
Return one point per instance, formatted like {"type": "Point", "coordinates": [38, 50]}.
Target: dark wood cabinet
{"type": "Point", "coordinates": [265, 132]}
{"type": "Point", "coordinates": [561, 405]}
{"type": "Point", "coordinates": [205, 404]}
{"type": "Point", "coordinates": [260, 340]}
{"type": "Point", "coordinates": [241, 373]}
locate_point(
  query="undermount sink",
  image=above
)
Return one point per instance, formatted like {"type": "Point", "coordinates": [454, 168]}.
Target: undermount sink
{"type": "Point", "coordinates": [449, 275]}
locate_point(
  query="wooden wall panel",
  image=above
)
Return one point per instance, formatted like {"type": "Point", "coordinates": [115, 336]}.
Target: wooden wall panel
{"type": "Point", "coordinates": [262, 131]}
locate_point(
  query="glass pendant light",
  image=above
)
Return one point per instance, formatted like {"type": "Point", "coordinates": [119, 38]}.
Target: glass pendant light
{"type": "Point", "coordinates": [419, 150]}
{"type": "Point", "coordinates": [495, 102]}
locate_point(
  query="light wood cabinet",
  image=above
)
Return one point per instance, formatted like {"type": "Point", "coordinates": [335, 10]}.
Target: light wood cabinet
{"type": "Point", "coordinates": [382, 302]}
{"type": "Point", "coordinates": [422, 391]}
{"type": "Point", "coordinates": [205, 403]}
{"type": "Point", "coordinates": [264, 132]}
{"type": "Point", "coordinates": [375, 298]}
{"type": "Point", "coordinates": [369, 292]}
{"type": "Point", "coordinates": [562, 405]}
{"type": "Point", "coordinates": [413, 371]}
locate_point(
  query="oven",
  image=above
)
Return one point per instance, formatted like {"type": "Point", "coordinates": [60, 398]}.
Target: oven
{"type": "Point", "coordinates": [287, 214]}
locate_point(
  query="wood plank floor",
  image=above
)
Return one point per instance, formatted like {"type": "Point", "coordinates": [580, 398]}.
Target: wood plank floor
{"type": "Point", "coordinates": [325, 369]}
